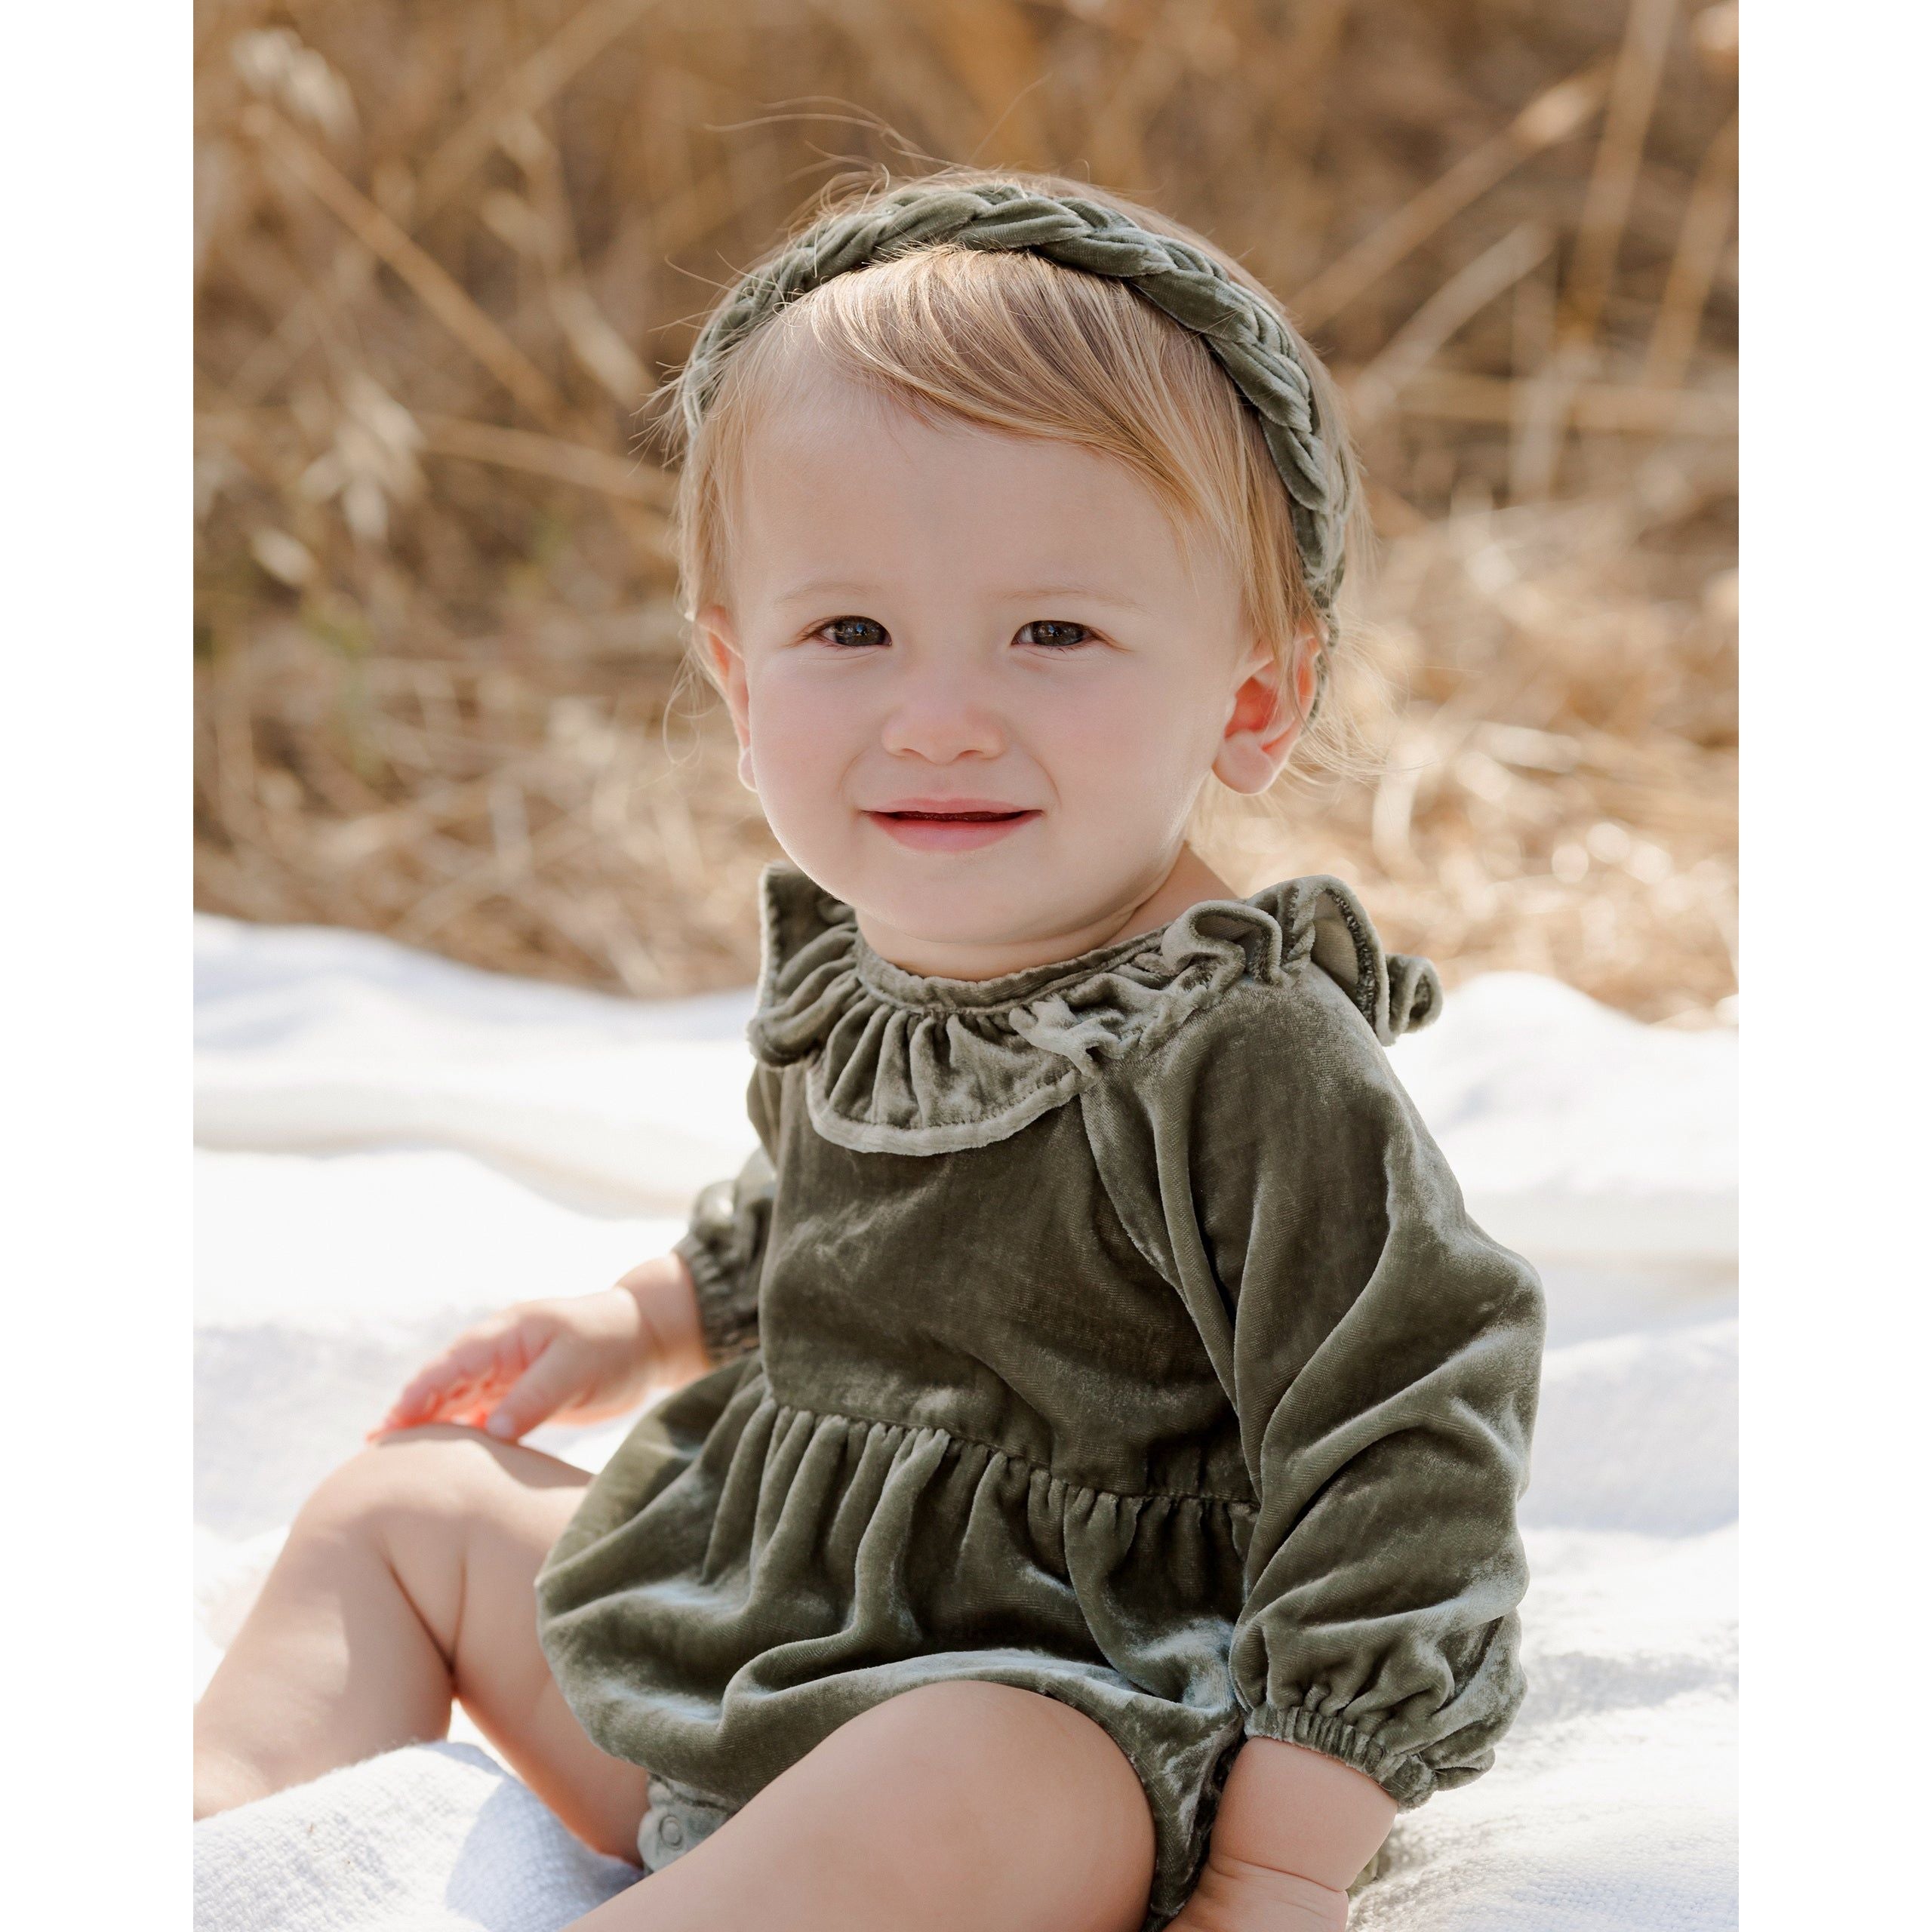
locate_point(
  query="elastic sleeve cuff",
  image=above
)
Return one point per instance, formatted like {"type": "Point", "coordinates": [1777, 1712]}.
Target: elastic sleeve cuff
{"type": "Point", "coordinates": [727, 1315]}
{"type": "Point", "coordinates": [1406, 1780]}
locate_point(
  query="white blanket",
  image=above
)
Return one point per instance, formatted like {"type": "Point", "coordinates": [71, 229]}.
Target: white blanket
{"type": "Point", "coordinates": [437, 1838]}
{"type": "Point", "coordinates": [391, 1144]}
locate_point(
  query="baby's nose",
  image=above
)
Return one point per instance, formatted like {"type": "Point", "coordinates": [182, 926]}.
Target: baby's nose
{"type": "Point", "coordinates": [940, 718]}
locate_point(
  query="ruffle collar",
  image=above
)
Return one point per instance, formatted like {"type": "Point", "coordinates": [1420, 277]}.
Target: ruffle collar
{"type": "Point", "coordinates": [902, 1063]}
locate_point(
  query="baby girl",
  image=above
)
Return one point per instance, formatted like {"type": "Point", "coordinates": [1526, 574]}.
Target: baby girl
{"type": "Point", "coordinates": [1090, 1500]}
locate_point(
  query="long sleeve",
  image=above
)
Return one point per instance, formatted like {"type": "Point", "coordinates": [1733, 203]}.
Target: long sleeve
{"type": "Point", "coordinates": [1383, 1357]}
{"type": "Point", "coordinates": [724, 1246]}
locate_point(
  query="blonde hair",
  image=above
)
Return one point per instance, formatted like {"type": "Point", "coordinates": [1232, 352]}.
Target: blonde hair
{"type": "Point", "coordinates": [1016, 343]}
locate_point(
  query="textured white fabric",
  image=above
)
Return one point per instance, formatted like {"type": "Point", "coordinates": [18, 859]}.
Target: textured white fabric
{"type": "Point", "coordinates": [433, 1838]}
{"type": "Point", "coordinates": [483, 1119]}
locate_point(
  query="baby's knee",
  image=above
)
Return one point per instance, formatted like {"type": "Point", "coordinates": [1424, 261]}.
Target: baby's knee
{"type": "Point", "coordinates": [976, 1774]}
{"type": "Point", "coordinates": [969, 1732]}
{"type": "Point", "coordinates": [419, 1485]}
{"type": "Point", "coordinates": [976, 1716]}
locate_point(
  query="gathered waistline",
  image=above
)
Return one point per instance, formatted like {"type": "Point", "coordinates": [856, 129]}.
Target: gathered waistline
{"type": "Point", "coordinates": [1235, 1504]}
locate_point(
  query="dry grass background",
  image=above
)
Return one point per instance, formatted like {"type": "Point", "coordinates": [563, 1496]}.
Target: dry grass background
{"type": "Point", "coordinates": [445, 247]}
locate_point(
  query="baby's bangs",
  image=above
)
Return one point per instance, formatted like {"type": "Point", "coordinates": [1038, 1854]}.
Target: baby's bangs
{"type": "Point", "coordinates": [1014, 343]}
{"type": "Point", "coordinates": [1011, 342]}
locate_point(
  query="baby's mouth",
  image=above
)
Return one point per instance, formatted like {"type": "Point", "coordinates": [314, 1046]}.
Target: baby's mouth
{"type": "Point", "coordinates": [949, 828]}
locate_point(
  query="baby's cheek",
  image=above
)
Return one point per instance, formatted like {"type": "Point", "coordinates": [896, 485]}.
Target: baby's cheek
{"type": "Point", "coordinates": [1126, 761]}
{"type": "Point", "coordinates": [802, 744]}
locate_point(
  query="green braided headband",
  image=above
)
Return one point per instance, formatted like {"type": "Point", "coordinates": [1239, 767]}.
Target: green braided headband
{"type": "Point", "coordinates": [1248, 338]}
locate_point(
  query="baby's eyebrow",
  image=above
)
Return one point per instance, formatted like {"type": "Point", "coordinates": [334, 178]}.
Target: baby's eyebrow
{"type": "Point", "coordinates": [825, 587]}
{"type": "Point", "coordinates": [1092, 592]}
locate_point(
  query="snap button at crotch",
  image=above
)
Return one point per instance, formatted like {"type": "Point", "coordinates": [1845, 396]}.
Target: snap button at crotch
{"type": "Point", "coordinates": [675, 1821]}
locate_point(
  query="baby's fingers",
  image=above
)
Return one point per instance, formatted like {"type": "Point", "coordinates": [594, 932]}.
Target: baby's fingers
{"type": "Point", "coordinates": [550, 1383]}
{"type": "Point", "coordinates": [430, 1392]}
{"type": "Point", "coordinates": [474, 1368]}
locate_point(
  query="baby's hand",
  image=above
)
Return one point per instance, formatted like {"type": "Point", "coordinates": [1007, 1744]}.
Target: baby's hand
{"type": "Point", "coordinates": [579, 1359]}
{"type": "Point", "coordinates": [1233, 1896]}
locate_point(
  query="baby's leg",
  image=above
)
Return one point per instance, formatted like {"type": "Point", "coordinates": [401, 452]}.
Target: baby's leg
{"type": "Point", "coordinates": [407, 1579]}
{"type": "Point", "coordinates": [961, 1807]}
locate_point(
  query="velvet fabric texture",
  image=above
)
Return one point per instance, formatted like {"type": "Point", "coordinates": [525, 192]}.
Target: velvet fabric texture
{"type": "Point", "coordinates": [1114, 1329]}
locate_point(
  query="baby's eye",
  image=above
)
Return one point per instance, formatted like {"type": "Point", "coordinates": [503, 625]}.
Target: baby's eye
{"type": "Point", "coordinates": [852, 633]}
{"type": "Point", "coordinates": [1053, 634]}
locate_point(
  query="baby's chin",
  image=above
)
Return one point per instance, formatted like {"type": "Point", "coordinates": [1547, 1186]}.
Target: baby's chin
{"type": "Point", "coordinates": [961, 902]}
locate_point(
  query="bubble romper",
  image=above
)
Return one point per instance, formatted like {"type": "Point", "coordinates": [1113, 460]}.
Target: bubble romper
{"type": "Point", "coordinates": [1114, 1329]}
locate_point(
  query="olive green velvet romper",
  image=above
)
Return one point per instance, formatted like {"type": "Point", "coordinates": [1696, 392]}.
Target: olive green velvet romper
{"type": "Point", "coordinates": [1113, 1328]}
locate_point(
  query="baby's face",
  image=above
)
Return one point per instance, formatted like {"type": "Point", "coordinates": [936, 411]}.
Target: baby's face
{"type": "Point", "coordinates": [977, 688]}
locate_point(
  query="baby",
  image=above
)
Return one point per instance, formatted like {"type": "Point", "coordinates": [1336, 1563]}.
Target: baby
{"type": "Point", "coordinates": [1090, 1501]}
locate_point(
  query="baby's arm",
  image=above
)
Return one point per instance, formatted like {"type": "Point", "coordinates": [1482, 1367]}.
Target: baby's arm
{"type": "Point", "coordinates": [1384, 1356]}
{"type": "Point", "coordinates": [582, 1357]}
{"type": "Point", "coordinates": [1294, 1829]}
{"type": "Point", "coordinates": [592, 1356]}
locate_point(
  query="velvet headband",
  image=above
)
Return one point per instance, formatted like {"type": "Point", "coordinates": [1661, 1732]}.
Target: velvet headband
{"type": "Point", "coordinates": [1248, 338]}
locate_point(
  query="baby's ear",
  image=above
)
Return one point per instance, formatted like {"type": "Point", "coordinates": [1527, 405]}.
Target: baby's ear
{"type": "Point", "coordinates": [1271, 705]}
{"type": "Point", "coordinates": [717, 640]}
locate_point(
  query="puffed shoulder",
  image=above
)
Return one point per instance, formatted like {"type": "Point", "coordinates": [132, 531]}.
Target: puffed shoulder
{"type": "Point", "coordinates": [903, 1063]}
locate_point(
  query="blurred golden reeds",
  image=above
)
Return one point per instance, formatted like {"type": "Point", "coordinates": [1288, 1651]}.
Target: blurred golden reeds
{"type": "Point", "coordinates": [444, 248]}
